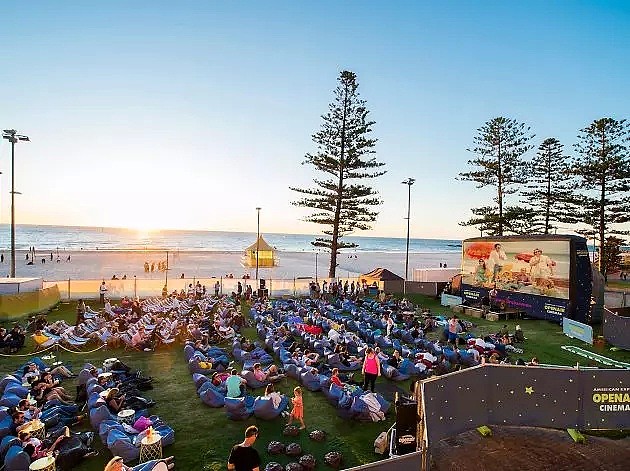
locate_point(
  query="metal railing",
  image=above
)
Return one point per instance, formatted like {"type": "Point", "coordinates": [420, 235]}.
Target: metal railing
{"type": "Point", "coordinates": [72, 289]}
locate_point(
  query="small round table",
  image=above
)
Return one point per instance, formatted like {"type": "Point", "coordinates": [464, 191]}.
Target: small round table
{"type": "Point", "coordinates": [151, 448]}
{"type": "Point", "coordinates": [37, 429]}
{"type": "Point", "coordinates": [125, 416]}
{"type": "Point", "coordinates": [47, 463]}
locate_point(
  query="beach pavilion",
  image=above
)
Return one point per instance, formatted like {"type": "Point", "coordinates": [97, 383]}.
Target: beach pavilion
{"type": "Point", "coordinates": [388, 281]}
{"type": "Point", "coordinates": [266, 254]}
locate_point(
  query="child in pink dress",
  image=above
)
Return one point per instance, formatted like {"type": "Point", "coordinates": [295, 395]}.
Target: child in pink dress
{"type": "Point", "coordinates": [297, 412]}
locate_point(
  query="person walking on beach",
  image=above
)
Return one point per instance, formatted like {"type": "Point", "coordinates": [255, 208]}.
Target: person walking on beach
{"type": "Point", "coordinates": [1, 258]}
{"type": "Point", "coordinates": [243, 457]}
{"type": "Point", "coordinates": [297, 412]}
{"type": "Point", "coordinates": [217, 287]}
{"type": "Point", "coordinates": [102, 290]}
{"type": "Point", "coordinates": [371, 369]}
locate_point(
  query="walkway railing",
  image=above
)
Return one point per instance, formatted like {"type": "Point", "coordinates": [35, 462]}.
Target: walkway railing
{"type": "Point", "coordinates": [132, 287]}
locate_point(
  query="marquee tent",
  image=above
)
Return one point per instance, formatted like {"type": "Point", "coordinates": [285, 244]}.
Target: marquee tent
{"type": "Point", "coordinates": [266, 254]}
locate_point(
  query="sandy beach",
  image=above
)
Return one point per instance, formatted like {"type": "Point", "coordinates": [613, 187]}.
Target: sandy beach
{"type": "Point", "coordinates": [203, 264]}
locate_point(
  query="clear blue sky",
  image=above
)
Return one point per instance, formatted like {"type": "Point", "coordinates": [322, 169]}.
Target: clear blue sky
{"type": "Point", "coordinates": [190, 114]}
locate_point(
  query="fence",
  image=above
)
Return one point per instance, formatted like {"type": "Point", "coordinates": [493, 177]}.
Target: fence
{"type": "Point", "coordinates": [132, 287]}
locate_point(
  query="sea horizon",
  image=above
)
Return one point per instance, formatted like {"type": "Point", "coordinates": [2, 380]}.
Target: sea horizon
{"type": "Point", "coordinates": [87, 238]}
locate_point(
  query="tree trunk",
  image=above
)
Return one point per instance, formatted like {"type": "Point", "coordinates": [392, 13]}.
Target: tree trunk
{"type": "Point", "coordinates": [602, 211]}
{"type": "Point", "coordinates": [335, 235]}
{"type": "Point", "coordinates": [500, 187]}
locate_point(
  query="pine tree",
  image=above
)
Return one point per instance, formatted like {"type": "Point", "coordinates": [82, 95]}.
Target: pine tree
{"type": "Point", "coordinates": [550, 186]}
{"type": "Point", "coordinates": [603, 170]}
{"type": "Point", "coordinates": [500, 145]}
{"type": "Point", "coordinates": [344, 155]}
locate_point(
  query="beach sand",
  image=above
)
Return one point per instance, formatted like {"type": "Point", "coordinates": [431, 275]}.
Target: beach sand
{"type": "Point", "coordinates": [98, 265]}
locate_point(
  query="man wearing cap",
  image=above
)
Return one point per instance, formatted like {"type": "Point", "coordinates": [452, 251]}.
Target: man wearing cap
{"type": "Point", "coordinates": [243, 456]}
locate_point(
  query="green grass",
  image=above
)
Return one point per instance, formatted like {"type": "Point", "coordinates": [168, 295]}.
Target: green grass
{"type": "Point", "coordinates": [203, 435]}
{"type": "Point", "coordinates": [544, 338]}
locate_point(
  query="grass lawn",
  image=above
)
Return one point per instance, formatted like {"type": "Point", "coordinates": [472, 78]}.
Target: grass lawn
{"type": "Point", "coordinates": [204, 435]}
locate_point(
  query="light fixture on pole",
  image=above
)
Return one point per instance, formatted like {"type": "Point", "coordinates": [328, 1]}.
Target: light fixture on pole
{"type": "Point", "coordinates": [316, 275]}
{"type": "Point", "coordinates": [257, 240]}
{"type": "Point", "coordinates": [13, 137]}
{"type": "Point", "coordinates": [409, 181]}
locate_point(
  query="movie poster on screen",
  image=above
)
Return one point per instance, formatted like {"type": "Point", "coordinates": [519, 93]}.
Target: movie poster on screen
{"type": "Point", "coordinates": [538, 267]}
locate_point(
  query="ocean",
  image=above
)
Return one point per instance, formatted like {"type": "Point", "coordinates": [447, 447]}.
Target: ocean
{"type": "Point", "coordinates": [73, 238]}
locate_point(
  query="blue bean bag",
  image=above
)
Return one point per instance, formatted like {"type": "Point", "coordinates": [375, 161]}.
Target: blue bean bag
{"type": "Point", "coordinates": [95, 400]}
{"type": "Point", "coordinates": [360, 410]}
{"type": "Point", "coordinates": [236, 408]}
{"type": "Point", "coordinates": [9, 379]}
{"type": "Point", "coordinates": [84, 375]}
{"type": "Point", "coordinates": [120, 444]}
{"type": "Point", "coordinates": [310, 381]}
{"type": "Point", "coordinates": [292, 371]}
{"type": "Point", "coordinates": [16, 459]}
{"type": "Point", "coordinates": [199, 379]}
{"type": "Point", "coordinates": [252, 382]}
{"type": "Point", "coordinates": [263, 407]}
{"type": "Point", "coordinates": [9, 400]}
{"type": "Point", "coordinates": [193, 367]}
{"type": "Point", "coordinates": [98, 414]}
{"type": "Point", "coordinates": [392, 373]}
{"type": "Point", "coordinates": [17, 390]}
{"type": "Point", "coordinates": [106, 426]}
{"type": "Point", "coordinates": [189, 351]}
{"type": "Point", "coordinates": [6, 443]}
{"type": "Point", "coordinates": [212, 397]}
{"type": "Point", "coordinates": [5, 426]}
{"type": "Point", "coordinates": [333, 393]}
{"type": "Point", "coordinates": [407, 367]}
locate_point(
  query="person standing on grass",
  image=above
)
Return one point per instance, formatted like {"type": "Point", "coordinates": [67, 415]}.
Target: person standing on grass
{"type": "Point", "coordinates": [102, 290]}
{"type": "Point", "coordinates": [243, 457]}
{"type": "Point", "coordinates": [297, 412]}
{"type": "Point", "coordinates": [371, 369]}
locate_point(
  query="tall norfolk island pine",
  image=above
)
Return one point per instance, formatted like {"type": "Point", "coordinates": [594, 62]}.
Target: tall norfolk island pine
{"type": "Point", "coordinates": [345, 157]}
{"type": "Point", "coordinates": [603, 170]}
{"type": "Point", "coordinates": [499, 145]}
{"type": "Point", "coordinates": [550, 189]}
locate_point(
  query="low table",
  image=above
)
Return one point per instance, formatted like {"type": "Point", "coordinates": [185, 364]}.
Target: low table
{"type": "Point", "coordinates": [47, 463]}
{"type": "Point", "coordinates": [151, 447]}
{"type": "Point", "coordinates": [126, 416]}
{"type": "Point", "coordinates": [36, 428]}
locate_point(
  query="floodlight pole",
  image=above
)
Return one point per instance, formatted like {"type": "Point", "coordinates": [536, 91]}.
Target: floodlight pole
{"type": "Point", "coordinates": [408, 182]}
{"type": "Point", "coordinates": [316, 255]}
{"type": "Point", "coordinates": [12, 136]}
{"type": "Point", "coordinates": [257, 242]}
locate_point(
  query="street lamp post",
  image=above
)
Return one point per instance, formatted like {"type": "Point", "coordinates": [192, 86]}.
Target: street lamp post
{"type": "Point", "coordinates": [316, 275]}
{"type": "Point", "coordinates": [409, 181]}
{"type": "Point", "coordinates": [13, 137]}
{"type": "Point", "coordinates": [257, 241]}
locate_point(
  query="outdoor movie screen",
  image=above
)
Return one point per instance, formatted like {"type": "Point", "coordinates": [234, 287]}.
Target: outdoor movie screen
{"type": "Point", "coordinates": [539, 267]}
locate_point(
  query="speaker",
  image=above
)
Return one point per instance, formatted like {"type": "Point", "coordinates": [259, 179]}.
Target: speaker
{"type": "Point", "coordinates": [263, 293]}
{"type": "Point", "coordinates": [262, 283]}
{"type": "Point", "coordinates": [406, 426]}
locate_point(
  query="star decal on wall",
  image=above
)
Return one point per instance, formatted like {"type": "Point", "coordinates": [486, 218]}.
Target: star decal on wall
{"type": "Point", "coordinates": [529, 390]}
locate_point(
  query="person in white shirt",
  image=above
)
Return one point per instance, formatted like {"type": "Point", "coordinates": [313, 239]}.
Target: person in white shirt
{"type": "Point", "coordinates": [496, 261]}
{"type": "Point", "coordinates": [102, 290]}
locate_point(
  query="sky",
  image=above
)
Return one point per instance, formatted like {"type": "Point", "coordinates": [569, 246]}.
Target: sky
{"type": "Point", "coordinates": [190, 114]}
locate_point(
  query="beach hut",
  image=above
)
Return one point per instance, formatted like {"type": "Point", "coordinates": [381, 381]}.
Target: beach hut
{"type": "Point", "coordinates": [266, 254]}
{"type": "Point", "coordinates": [390, 282]}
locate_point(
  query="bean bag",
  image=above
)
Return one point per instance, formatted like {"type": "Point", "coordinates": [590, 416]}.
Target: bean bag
{"type": "Point", "coordinates": [9, 400]}
{"type": "Point", "coordinates": [189, 351]}
{"type": "Point", "coordinates": [291, 431]}
{"type": "Point", "coordinates": [333, 393]}
{"type": "Point", "coordinates": [212, 397]}
{"type": "Point", "coordinates": [120, 444]}
{"type": "Point", "coordinates": [4, 412]}
{"type": "Point", "coordinates": [194, 367]}
{"type": "Point", "coordinates": [360, 410]}
{"type": "Point", "coordinates": [292, 371]}
{"type": "Point", "coordinates": [98, 414]}
{"type": "Point", "coordinates": [392, 373]}
{"type": "Point", "coordinates": [6, 443]}
{"type": "Point", "coordinates": [84, 375]}
{"type": "Point", "coordinates": [199, 379]}
{"type": "Point", "coordinates": [94, 388]}
{"type": "Point", "coordinates": [17, 390]}
{"type": "Point", "coordinates": [407, 367]}
{"type": "Point", "coordinates": [16, 459]}
{"type": "Point", "coordinates": [167, 433]}
{"type": "Point", "coordinates": [9, 379]}
{"type": "Point", "coordinates": [382, 342]}
{"type": "Point", "coordinates": [252, 382]}
{"type": "Point", "coordinates": [263, 407]}
{"type": "Point", "coordinates": [273, 466]}
{"type": "Point", "coordinates": [317, 435]}
{"type": "Point", "coordinates": [5, 426]}
{"type": "Point", "coordinates": [310, 381]}
{"type": "Point", "coordinates": [95, 400]}
{"type": "Point", "coordinates": [71, 452]}
{"type": "Point", "coordinates": [106, 426]}
{"type": "Point", "coordinates": [236, 408]}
